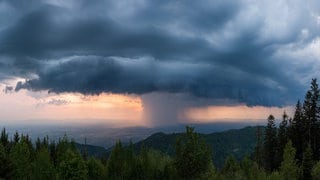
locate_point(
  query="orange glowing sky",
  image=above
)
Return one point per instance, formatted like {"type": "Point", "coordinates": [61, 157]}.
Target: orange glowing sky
{"type": "Point", "coordinates": [70, 107]}
{"type": "Point", "coordinates": [230, 113]}
{"type": "Point", "coordinates": [114, 109]}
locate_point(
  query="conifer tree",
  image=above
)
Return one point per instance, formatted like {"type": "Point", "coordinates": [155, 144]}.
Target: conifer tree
{"type": "Point", "coordinates": [116, 161]}
{"type": "Point", "coordinates": [193, 155]}
{"type": "Point", "coordinates": [316, 171]}
{"type": "Point", "coordinates": [72, 166]}
{"type": "Point", "coordinates": [20, 156]}
{"type": "Point", "coordinates": [282, 137]}
{"type": "Point", "coordinates": [5, 164]}
{"type": "Point", "coordinates": [42, 167]}
{"type": "Point", "coordinates": [258, 151]}
{"type": "Point", "coordinates": [289, 168]}
{"type": "Point", "coordinates": [4, 138]}
{"type": "Point", "coordinates": [315, 111]}
{"type": "Point", "coordinates": [270, 145]}
{"type": "Point", "coordinates": [16, 137]}
{"type": "Point", "coordinates": [297, 134]}
{"type": "Point", "coordinates": [38, 144]}
{"type": "Point", "coordinates": [306, 119]}
{"type": "Point", "coordinates": [231, 168]}
{"type": "Point", "coordinates": [96, 170]}
{"type": "Point", "coordinates": [307, 163]}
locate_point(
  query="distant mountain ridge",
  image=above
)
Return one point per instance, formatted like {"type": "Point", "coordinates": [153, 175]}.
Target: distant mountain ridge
{"type": "Point", "coordinates": [235, 142]}
{"type": "Point", "coordinates": [100, 135]}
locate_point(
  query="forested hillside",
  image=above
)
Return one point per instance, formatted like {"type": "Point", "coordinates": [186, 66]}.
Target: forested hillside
{"type": "Point", "coordinates": [236, 142]}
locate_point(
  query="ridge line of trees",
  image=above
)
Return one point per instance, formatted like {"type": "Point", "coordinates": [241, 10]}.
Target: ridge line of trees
{"type": "Point", "coordinates": [302, 132]}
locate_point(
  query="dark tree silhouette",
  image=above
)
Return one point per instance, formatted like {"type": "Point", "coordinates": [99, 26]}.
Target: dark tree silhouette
{"type": "Point", "coordinates": [297, 134]}
{"type": "Point", "coordinates": [270, 145]}
{"type": "Point", "coordinates": [307, 163]}
{"type": "Point", "coordinates": [193, 155]}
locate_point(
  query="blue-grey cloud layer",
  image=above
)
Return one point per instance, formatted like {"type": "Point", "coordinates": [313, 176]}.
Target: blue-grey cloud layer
{"type": "Point", "coordinates": [212, 49]}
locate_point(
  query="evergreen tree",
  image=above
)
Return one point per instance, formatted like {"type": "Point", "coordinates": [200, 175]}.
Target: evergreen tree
{"type": "Point", "coordinates": [231, 169]}
{"type": "Point", "coordinates": [21, 159]}
{"type": "Point", "coordinates": [316, 171]}
{"type": "Point", "coordinates": [38, 144]}
{"type": "Point", "coordinates": [307, 163]}
{"type": "Point", "coordinates": [282, 137]}
{"type": "Point", "coordinates": [42, 167]}
{"type": "Point", "coordinates": [270, 145]}
{"type": "Point", "coordinates": [310, 120]}
{"type": "Point", "coordinates": [4, 138]}
{"type": "Point", "coordinates": [53, 152]}
{"type": "Point", "coordinates": [315, 111]}
{"type": "Point", "coordinates": [307, 116]}
{"type": "Point", "coordinates": [130, 162]}
{"type": "Point", "coordinates": [96, 169]}
{"type": "Point", "coordinates": [297, 134]}
{"type": "Point", "coordinates": [258, 151]}
{"type": "Point", "coordinates": [45, 142]}
{"type": "Point", "coordinates": [16, 137]}
{"type": "Point", "coordinates": [249, 170]}
{"type": "Point", "coordinates": [63, 145]}
{"type": "Point", "coordinates": [289, 168]}
{"type": "Point", "coordinates": [193, 155]}
{"type": "Point", "coordinates": [116, 161]}
{"type": "Point", "coordinates": [275, 175]}
{"type": "Point", "coordinates": [27, 140]}
{"type": "Point", "coordinates": [5, 164]}
{"type": "Point", "coordinates": [72, 166]}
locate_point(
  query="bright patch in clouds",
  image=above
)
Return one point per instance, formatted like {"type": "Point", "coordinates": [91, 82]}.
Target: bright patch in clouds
{"type": "Point", "coordinates": [232, 113]}
{"type": "Point", "coordinates": [41, 107]}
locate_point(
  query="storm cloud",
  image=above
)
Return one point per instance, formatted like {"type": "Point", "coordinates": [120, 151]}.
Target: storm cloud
{"type": "Point", "coordinates": [251, 52]}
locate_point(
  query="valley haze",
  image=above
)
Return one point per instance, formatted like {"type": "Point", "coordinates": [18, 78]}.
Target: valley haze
{"type": "Point", "coordinates": [106, 136]}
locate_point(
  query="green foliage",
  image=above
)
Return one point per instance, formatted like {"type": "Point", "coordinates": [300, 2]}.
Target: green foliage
{"type": "Point", "coordinates": [256, 172]}
{"type": "Point", "coordinates": [20, 156]}
{"type": "Point", "coordinates": [5, 164]}
{"type": "Point", "coordinates": [42, 167]}
{"type": "Point", "coordinates": [72, 166]}
{"type": "Point", "coordinates": [154, 164]}
{"type": "Point", "coordinates": [270, 145]}
{"type": "Point", "coordinates": [235, 142]}
{"type": "Point", "coordinates": [96, 170]}
{"type": "Point", "coordinates": [210, 174]}
{"type": "Point", "coordinates": [297, 132]}
{"type": "Point", "coordinates": [316, 171]}
{"type": "Point", "coordinates": [282, 138]}
{"type": "Point", "coordinates": [4, 138]}
{"type": "Point", "coordinates": [16, 137]}
{"type": "Point", "coordinates": [258, 151]}
{"type": "Point", "coordinates": [275, 175]}
{"type": "Point", "coordinates": [231, 169]}
{"type": "Point", "coordinates": [116, 162]}
{"type": "Point", "coordinates": [307, 163]}
{"type": "Point", "coordinates": [250, 170]}
{"type": "Point", "coordinates": [193, 156]}
{"type": "Point", "coordinates": [289, 169]}
{"type": "Point", "coordinates": [63, 145]}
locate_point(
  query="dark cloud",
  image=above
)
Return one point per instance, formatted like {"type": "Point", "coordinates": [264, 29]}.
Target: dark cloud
{"type": "Point", "coordinates": [206, 49]}
{"type": "Point", "coordinates": [94, 75]}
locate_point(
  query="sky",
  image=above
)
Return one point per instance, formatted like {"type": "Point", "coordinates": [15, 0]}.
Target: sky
{"type": "Point", "coordinates": [161, 62]}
